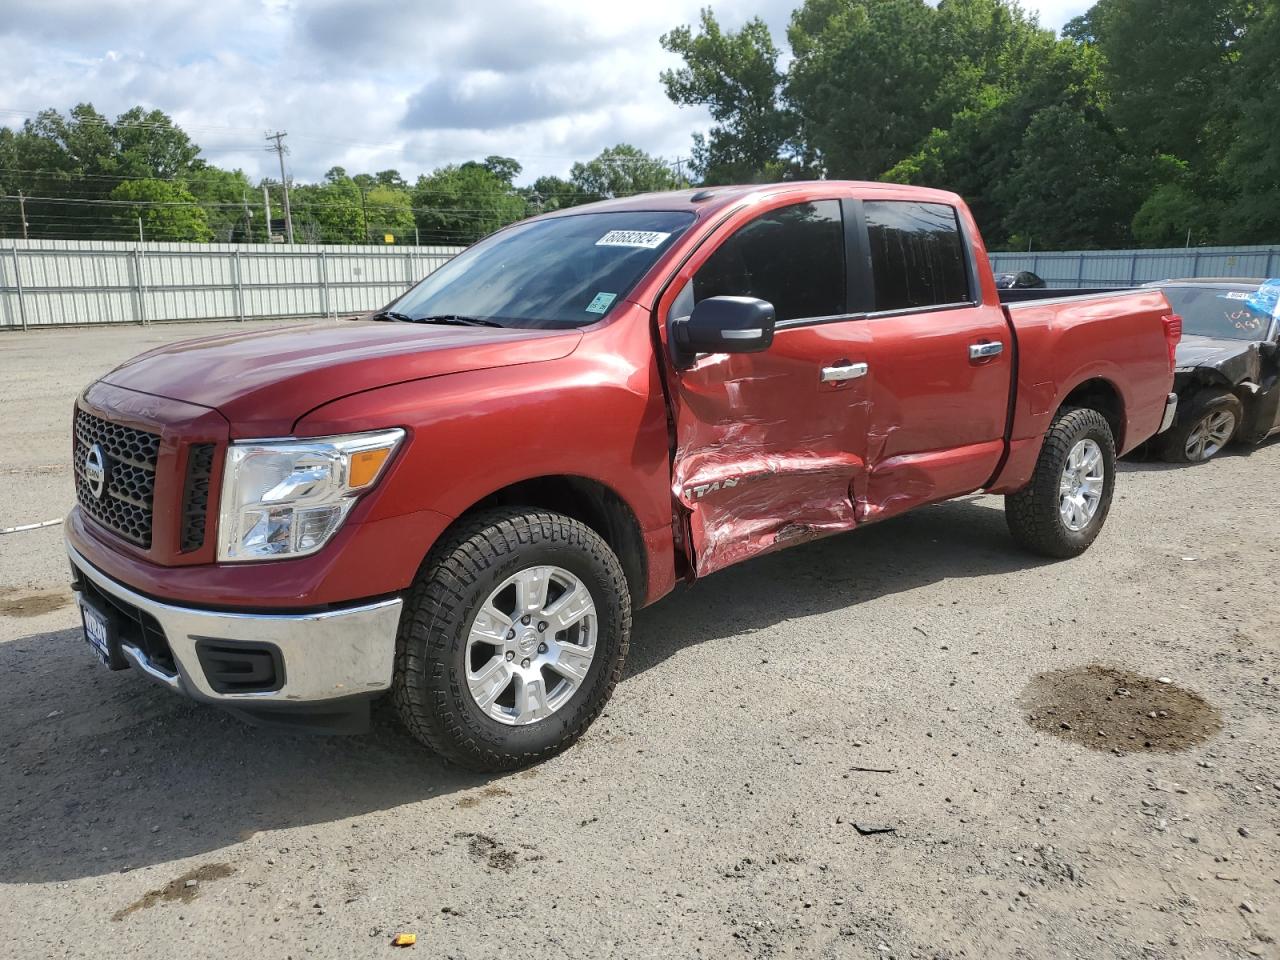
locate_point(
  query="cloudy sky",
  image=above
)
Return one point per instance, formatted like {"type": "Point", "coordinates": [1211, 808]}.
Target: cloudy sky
{"type": "Point", "coordinates": [372, 84]}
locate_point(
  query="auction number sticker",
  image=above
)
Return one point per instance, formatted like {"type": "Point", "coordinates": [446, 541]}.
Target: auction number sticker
{"type": "Point", "coordinates": [644, 239]}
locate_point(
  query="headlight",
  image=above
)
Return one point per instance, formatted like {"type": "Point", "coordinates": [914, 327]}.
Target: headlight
{"type": "Point", "coordinates": [286, 499]}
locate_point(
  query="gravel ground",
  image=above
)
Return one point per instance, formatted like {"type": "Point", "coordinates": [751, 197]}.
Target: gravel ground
{"type": "Point", "coordinates": [772, 720]}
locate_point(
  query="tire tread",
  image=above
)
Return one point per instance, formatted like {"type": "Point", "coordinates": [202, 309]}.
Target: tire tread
{"type": "Point", "coordinates": [421, 690]}
{"type": "Point", "coordinates": [1032, 512]}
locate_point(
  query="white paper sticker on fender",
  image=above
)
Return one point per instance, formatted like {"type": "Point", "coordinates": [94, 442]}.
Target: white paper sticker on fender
{"type": "Point", "coordinates": [645, 239]}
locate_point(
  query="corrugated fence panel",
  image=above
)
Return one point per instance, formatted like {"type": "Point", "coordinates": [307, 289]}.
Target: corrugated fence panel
{"type": "Point", "coordinates": [1125, 268]}
{"type": "Point", "coordinates": [58, 282]}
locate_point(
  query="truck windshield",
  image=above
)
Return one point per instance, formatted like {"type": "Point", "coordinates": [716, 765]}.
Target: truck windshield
{"type": "Point", "coordinates": [1218, 312]}
{"type": "Point", "coordinates": [553, 274]}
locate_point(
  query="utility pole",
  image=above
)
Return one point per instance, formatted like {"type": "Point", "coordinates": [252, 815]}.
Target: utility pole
{"type": "Point", "coordinates": [364, 216]}
{"type": "Point", "coordinates": [679, 164]}
{"type": "Point", "coordinates": [280, 150]}
{"type": "Point", "coordinates": [22, 213]}
{"type": "Point", "coordinates": [266, 209]}
{"type": "Point", "coordinates": [248, 216]}
{"type": "Point", "coordinates": [141, 238]}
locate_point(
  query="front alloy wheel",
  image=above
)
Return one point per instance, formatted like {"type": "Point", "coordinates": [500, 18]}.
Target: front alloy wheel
{"type": "Point", "coordinates": [512, 638]}
{"type": "Point", "coordinates": [531, 645]}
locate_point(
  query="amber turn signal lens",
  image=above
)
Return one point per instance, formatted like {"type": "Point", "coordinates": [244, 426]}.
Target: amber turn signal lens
{"type": "Point", "coordinates": [365, 466]}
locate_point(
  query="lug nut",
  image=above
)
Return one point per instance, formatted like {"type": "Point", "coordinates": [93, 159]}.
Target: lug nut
{"type": "Point", "coordinates": [525, 663]}
{"type": "Point", "coordinates": [511, 634]}
{"type": "Point", "coordinates": [542, 626]}
{"type": "Point", "coordinates": [525, 619]}
{"type": "Point", "coordinates": [510, 655]}
{"type": "Point", "coordinates": [542, 648]}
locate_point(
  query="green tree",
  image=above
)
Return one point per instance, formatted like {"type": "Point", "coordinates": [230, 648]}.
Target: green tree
{"type": "Point", "coordinates": [976, 151]}
{"type": "Point", "coordinates": [168, 211]}
{"type": "Point", "coordinates": [622, 171]}
{"type": "Point", "coordinates": [461, 204]}
{"type": "Point", "coordinates": [231, 204]}
{"type": "Point", "coordinates": [504, 168]}
{"type": "Point", "coordinates": [736, 77]}
{"type": "Point", "coordinates": [863, 82]}
{"type": "Point", "coordinates": [329, 212]}
{"type": "Point", "coordinates": [553, 193]}
{"type": "Point", "coordinates": [1167, 64]}
{"type": "Point", "coordinates": [1251, 167]}
{"type": "Point", "coordinates": [1071, 185]}
{"type": "Point", "coordinates": [84, 156]}
{"type": "Point", "coordinates": [389, 210]}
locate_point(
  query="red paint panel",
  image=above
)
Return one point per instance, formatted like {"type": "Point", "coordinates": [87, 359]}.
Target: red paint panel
{"type": "Point", "coordinates": [263, 380]}
{"type": "Point", "coordinates": [363, 560]}
{"type": "Point", "coordinates": [933, 409]}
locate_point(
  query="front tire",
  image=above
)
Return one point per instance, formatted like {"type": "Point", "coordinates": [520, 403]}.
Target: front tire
{"type": "Point", "coordinates": [1212, 420]}
{"type": "Point", "coordinates": [1061, 511]}
{"type": "Point", "coordinates": [512, 639]}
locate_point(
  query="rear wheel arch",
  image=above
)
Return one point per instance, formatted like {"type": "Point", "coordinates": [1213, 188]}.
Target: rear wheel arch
{"type": "Point", "coordinates": [1100, 394]}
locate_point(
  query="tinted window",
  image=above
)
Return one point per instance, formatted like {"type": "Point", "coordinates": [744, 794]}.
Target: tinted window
{"type": "Point", "coordinates": [563, 272]}
{"type": "Point", "coordinates": [917, 255]}
{"type": "Point", "coordinates": [793, 257]}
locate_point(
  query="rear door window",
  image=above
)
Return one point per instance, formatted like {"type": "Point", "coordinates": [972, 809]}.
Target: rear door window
{"type": "Point", "coordinates": [793, 257]}
{"type": "Point", "coordinates": [918, 257]}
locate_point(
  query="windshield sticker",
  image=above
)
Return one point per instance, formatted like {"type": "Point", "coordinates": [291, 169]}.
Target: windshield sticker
{"type": "Point", "coordinates": [1236, 295]}
{"type": "Point", "coordinates": [602, 301]}
{"type": "Point", "coordinates": [1267, 300]}
{"type": "Point", "coordinates": [644, 239]}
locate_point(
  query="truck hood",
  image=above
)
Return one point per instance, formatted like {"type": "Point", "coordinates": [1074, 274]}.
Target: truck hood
{"type": "Point", "coordinates": [263, 381]}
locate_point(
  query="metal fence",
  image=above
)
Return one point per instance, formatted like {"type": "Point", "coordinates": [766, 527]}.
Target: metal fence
{"type": "Point", "coordinates": [1129, 268]}
{"type": "Point", "coordinates": [46, 283]}
{"type": "Point", "coordinates": [50, 283]}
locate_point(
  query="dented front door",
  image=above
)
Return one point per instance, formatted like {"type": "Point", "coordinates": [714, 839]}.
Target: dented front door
{"type": "Point", "coordinates": [767, 452]}
{"type": "Point", "coordinates": [769, 446]}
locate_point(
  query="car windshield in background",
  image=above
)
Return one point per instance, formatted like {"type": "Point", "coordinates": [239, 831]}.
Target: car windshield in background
{"type": "Point", "coordinates": [1219, 312]}
{"type": "Point", "coordinates": [552, 274]}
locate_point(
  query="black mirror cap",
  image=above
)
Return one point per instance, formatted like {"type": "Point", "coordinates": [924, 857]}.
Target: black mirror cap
{"type": "Point", "coordinates": [727, 325]}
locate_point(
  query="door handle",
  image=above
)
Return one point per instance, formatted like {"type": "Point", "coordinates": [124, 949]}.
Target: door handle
{"type": "Point", "coordinates": [848, 371]}
{"type": "Point", "coordinates": [985, 351]}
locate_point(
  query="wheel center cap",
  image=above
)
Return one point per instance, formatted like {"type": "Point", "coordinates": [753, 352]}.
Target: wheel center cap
{"type": "Point", "coordinates": [527, 641]}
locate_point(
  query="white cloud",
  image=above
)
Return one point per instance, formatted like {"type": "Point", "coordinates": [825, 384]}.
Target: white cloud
{"type": "Point", "coordinates": [372, 84]}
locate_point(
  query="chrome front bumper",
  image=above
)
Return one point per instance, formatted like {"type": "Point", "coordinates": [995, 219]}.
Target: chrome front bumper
{"type": "Point", "coordinates": [326, 656]}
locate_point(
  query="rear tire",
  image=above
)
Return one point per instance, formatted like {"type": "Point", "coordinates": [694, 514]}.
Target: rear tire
{"type": "Point", "coordinates": [1212, 420]}
{"type": "Point", "coordinates": [449, 688]}
{"type": "Point", "coordinates": [1057, 514]}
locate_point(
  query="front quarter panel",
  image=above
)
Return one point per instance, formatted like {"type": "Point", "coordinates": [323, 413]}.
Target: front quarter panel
{"type": "Point", "coordinates": [597, 413]}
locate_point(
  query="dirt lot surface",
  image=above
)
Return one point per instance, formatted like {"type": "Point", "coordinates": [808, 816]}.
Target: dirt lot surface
{"type": "Point", "coordinates": [825, 753]}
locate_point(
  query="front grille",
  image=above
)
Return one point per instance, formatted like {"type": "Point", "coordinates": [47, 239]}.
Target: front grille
{"type": "Point", "coordinates": [195, 495]}
{"type": "Point", "coordinates": [129, 462]}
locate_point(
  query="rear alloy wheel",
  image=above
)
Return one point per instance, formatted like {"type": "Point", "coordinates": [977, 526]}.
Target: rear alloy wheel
{"type": "Point", "coordinates": [1062, 510]}
{"type": "Point", "coordinates": [1210, 423]}
{"type": "Point", "coordinates": [512, 638]}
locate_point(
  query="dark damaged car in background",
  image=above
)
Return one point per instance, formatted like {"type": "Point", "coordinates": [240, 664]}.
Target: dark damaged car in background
{"type": "Point", "coordinates": [1228, 365]}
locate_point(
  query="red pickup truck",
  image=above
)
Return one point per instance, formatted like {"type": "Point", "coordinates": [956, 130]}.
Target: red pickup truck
{"type": "Point", "coordinates": [462, 498]}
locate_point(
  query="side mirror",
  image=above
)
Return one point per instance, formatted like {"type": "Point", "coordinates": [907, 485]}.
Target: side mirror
{"type": "Point", "coordinates": [725, 325]}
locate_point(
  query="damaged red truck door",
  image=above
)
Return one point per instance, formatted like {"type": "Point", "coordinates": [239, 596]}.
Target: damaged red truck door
{"type": "Point", "coordinates": [886, 386]}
